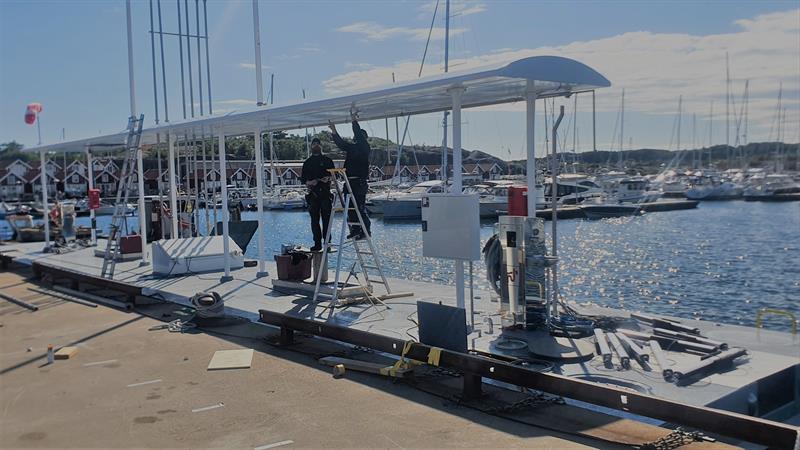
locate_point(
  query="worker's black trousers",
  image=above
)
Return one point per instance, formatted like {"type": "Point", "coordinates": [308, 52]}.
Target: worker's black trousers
{"type": "Point", "coordinates": [319, 207]}
{"type": "Point", "coordinates": [360, 193]}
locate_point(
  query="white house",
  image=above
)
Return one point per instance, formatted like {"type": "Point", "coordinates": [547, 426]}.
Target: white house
{"type": "Point", "coordinates": [12, 186]}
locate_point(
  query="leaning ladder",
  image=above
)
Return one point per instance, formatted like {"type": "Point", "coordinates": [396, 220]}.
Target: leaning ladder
{"type": "Point", "coordinates": [364, 254]}
{"type": "Point", "coordinates": [120, 217]}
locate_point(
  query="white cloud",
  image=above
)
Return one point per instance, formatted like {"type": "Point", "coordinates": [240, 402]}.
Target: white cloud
{"type": "Point", "coordinates": [655, 68]}
{"type": "Point", "coordinates": [252, 66]}
{"type": "Point", "coordinates": [372, 31]}
{"type": "Point", "coordinates": [236, 102]}
{"type": "Point", "coordinates": [309, 48]}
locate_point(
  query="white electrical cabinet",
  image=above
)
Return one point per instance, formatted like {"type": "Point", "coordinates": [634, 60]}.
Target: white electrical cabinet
{"type": "Point", "coordinates": [451, 227]}
{"type": "Point", "coordinates": [195, 255]}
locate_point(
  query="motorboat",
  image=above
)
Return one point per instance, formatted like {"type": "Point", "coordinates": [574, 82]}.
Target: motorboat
{"type": "Point", "coordinates": [573, 189]}
{"type": "Point", "coordinates": [631, 190]}
{"type": "Point", "coordinates": [493, 196]}
{"type": "Point", "coordinates": [608, 209]}
{"type": "Point", "coordinates": [108, 208]}
{"type": "Point", "coordinates": [713, 187]}
{"type": "Point", "coordinates": [772, 188]}
{"type": "Point", "coordinates": [406, 204]}
{"type": "Point", "coordinates": [285, 199]}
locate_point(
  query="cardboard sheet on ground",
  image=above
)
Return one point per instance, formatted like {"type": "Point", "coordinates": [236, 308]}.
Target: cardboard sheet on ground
{"type": "Point", "coordinates": [231, 359]}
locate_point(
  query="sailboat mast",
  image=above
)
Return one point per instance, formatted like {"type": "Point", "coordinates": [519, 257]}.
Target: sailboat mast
{"type": "Point", "coordinates": [680, 114]}
{"type": "Point", "coordinates": [446, 68]}
{"type": "Point", "coordinates": [728, 108]}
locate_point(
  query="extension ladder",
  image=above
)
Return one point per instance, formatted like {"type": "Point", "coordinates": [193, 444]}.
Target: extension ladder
{"type": "Point", "coordinates": [119, 221]}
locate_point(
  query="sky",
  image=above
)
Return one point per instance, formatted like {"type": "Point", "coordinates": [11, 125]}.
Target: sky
{"type": "Point", "coordinates": [72, 58]}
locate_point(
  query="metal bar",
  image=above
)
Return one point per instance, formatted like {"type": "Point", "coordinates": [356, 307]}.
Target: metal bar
{"type": "Point", "coordinates": [225, 213]}
{"type": "Point", "coordinates": [208, 61]}
{"type": "Point", "coordinates": [189, 57]}
{"type": "Point", "coordinates": [530, 146]}
{"type": "Point", "coordinates": [95, 298]}
{"type": "Point", "coordinates": [633, 349]}
{"type": "Point", "coordinates": [19, 302]}
{"type": "Point", "coordinates": [738, 426]}
{"type": "Point", "coordinates": [624, 359]}
{"type": "Point", "coordinates": [153, 59]}
{"type": "Point", "coordinates": [689, 337]}
{"type": "Point", "coordinates": [163, 67]}
{"type": "Point", "coordinates": [180, 51]}
{"type": "Point", "coordinates": [199, 57]}
{"type": "Point", "coordinates": [691, 372]}
{"type": "Point", "coordinates": [669, 343]}
{"type": "Point", "coordinates": [43, 183]}
{"type": "Point", "coordinates": [661, 359]}
{"type": "Point", "coordinates": [257, 45]}
{"type": "Point", "coordinates": [602, 344]}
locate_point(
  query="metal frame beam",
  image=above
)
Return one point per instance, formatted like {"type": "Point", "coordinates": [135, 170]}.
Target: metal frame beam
{"type": "Point", "coordinates": [738, 426]}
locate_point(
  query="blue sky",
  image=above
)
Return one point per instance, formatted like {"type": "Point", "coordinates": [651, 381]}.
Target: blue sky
{"type": "Point", "coordinates": [71, 57]}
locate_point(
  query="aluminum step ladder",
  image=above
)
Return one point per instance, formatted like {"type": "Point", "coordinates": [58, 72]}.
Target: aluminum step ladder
{"type": "Point", "coordinates": [367, 261]}
{"type": "Point", "coordinates": [119, 220]}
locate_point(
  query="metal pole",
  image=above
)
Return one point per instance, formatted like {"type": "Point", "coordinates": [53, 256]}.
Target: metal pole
{"type": "Point", "coordinates": [594, 125]}
{"type": "Point", "coordinates": [173, 188]}
{"type": "Point", "coordinates": [180, 53]}
{"type": "Point", "coordinates": [225, 218]}
{"type": "Point", "coordinates": [446, 69]}
{"type": "Point", "coordinates": [158, 186]}
{"type": "Point", "coordinates": [199, 58]}
{"type": "Point", "coordinates": [205, 181]}
{"type": "Point", "coordinates": [189, 57]}
{"type": "Point", "coordinates": [43, 182]}
{"type": "Point", "coordinates": [456, 94]}
{"type": "Point", "coordinates": [131, 87]}
{"type": "Point", "coordinates": [271, 161]}
{"type": "Point", "coordinates": [530, 137]}
{"type": "Point", "coordinates": [90, 180]}
{"type": "Point", "coordinates": [153, 59]}
{"type": "Point", "coordinates": [257, 45]}
{"type": "Point", "coordinates": [553, 310]}
{"type": "Point", "coordinates": [163, 68]}
{"type": "Point", "coordinates": [262, 270]}
{"type": "Point", "coordinates": [139, 163]}
{"type": "Point", "coordinates": [208, 61]}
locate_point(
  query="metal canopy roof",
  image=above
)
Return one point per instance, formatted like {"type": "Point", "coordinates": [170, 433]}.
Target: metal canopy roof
{"type": "Point", "coordinates": [504, 83]}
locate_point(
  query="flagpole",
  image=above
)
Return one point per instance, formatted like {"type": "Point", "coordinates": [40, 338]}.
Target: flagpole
{"type": "Point", "coordinates": [39, 128]}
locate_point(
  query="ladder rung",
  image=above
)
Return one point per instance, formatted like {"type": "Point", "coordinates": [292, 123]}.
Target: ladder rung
{"type": "Point", "coordinates": [363, 253]}
{"type": "Point", "coordinates": [368, 267]}
{"type": "Point", "coordinates": [377, 282]}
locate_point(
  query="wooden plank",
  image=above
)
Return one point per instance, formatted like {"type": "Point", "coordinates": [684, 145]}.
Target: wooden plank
{"type": "Point", "coordinates": [362, 366]}
{"type": "Point", "coordinates": [66, 352]}
{"type": "Point", "coordinates": [231, 359]}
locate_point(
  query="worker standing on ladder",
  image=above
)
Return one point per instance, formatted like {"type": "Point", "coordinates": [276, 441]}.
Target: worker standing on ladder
{"type": "Point", "coordinates": [318, 181]}
{"type": "Point", "coordinates": [356, 164]}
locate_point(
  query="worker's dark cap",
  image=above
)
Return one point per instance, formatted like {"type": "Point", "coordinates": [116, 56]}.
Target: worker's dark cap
{"type": "Point", "coordinates": [316, 140]}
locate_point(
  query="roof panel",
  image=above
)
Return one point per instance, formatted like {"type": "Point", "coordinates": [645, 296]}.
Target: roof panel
{"type": "Point", "coordinates": [502, 83]}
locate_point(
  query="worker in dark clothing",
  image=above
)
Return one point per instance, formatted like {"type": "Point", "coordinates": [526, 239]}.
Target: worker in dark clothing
{"type": "Point", "coordinates": [320, 200]}
{"type": "Point", "coordinates": [357, 165]}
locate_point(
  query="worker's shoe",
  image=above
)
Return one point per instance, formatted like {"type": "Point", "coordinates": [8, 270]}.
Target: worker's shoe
{"type": "Point", "coordinates": [316, 247]}
{"type": "Point", "coordinates": [360, 236]}
{"type": "Point", "coordinates": [354, 233]}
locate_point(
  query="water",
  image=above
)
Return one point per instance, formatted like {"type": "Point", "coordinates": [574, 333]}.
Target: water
{"type": "Point", "coordinates": [721, 262]}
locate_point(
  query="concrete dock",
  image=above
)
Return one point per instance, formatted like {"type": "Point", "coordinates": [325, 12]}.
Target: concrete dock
{"type": "Point", "coordinates": [771, 355]}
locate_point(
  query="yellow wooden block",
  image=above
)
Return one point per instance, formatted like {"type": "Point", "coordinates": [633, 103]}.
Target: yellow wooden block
{"type": "Point", "coordinates": [66, 352]}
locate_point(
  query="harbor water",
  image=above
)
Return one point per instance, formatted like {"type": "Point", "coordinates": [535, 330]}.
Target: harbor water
{"type": "Point", "coordinates": [720, 262]}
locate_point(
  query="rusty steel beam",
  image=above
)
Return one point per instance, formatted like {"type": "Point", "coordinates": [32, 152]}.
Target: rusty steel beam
{"type": "Point", "coordinates": [129, 289]}
{"type": "Point", "coordinates": [733, 425]}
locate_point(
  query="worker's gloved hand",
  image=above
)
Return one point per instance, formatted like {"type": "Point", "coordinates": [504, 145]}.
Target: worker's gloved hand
{"type": "Point", "coordinates": [311, 183]}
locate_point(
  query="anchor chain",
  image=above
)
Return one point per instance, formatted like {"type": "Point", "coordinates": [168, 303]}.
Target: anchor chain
{"type": "Point", "coordinates": [675, 439]}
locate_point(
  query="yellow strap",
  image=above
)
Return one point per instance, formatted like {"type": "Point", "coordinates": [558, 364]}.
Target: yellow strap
{"type": "Point", "coordinates": [401, 363]}
{"type": "Point", "coordinates": [434, 355]}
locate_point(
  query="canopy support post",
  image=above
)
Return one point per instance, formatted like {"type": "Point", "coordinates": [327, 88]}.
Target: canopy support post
{"type": "Point", "coordinates": [530, 145]}
{"type": "Point", "coordinates": [142, 216]}
{"type": "Point", "coordinates": [262, 270]}
{"type": "Point", "coordinates": [456, 188]}
{"type": "Point", "coordinates": [90, 180]}
{"type": "Point", "coordinates": [43, 182]}
{"type": "Point", "coordinates": [173, 189]}
{"type": "Point", "coordinates": [225, 216]}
